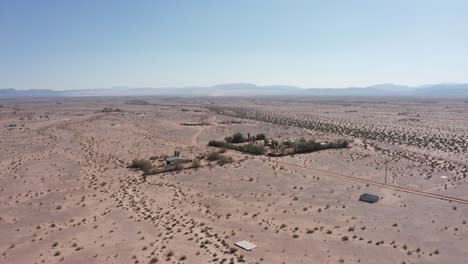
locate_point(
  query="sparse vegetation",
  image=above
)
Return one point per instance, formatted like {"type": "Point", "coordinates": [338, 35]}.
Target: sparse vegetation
{"type": "Point", "coordinates": [148, 169]}
{"type": "Point", "coordinates": [110, 110]}
{"type": "Point", "coordinates": [304, 146]}
{"type": "Point", "coordinates": [224, 160]}
{"type": "Point", "coordinates": [142, 164]}
{"type": "Point", "coordinates": [196, 163]}
{"type": "Point", "coordinates": [286, 148]}
{"type": "Point", "coordinates": [250, 148]}
{"type": "Point", "coordinates": [137, 102]}
{"type": "Point", "coordinates": [209, 209]}
{"type": "Point", "coordinates": [213, 156]}
{"type": "Point", "coordinates": [240, 138]}
{"type": "Point", "coordinates": [218, 157]}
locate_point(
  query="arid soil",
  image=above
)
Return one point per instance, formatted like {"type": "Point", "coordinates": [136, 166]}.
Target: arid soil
{"type": "Point", "coordinates": [68, 196]}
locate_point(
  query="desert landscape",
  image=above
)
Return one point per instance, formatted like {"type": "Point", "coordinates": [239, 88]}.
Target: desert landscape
{"type": "Point", "coordinates": [134, 180]}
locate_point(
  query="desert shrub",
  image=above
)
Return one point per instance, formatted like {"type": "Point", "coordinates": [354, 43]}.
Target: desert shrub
{"type": "Point", "coordinates": [218, 144]}
{"type": "Point", "coordinates": [306, 146]}
{"type": "Point", "coordinates": [201, 156]}
{"type": "Point", "coordinates": [196, 163]}
{"type": "Point", "coordinates": [141, 164]}
{"type": "Point", "coordinates": [252, 149]}
{"type": "Point", "coordinates": [224, 160]}
{"type": "Point", "coordinates": [221, 159]}
{"type": "Point", "coordinates": [240, 138]}
{"type": "Point", "coordinates": [212, 156]}
{"type": "Point", "coordinates": [176, 167]}
{"type": "Point", "coordinates": [342, 143]}
{"type": "Point", "coordinates": [287, 144]}
{"type": "Point", "coordinates": [222, 150]}
{"type": "Point", "coordinates": [169, 168]}
{"type": "Point", "coordinates": [274, 144]}
{"type": "Point", "coordinates": [236, 138]}
{"type": "Point", "coordinates": [248, 148]}
{"type": "Point", "coordinates": [260, 137]}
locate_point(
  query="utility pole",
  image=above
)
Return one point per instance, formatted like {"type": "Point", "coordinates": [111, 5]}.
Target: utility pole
{"type": "Point", "coordinates": [386, 165]}
{"type": "Point", "coordinates": [138, 149]}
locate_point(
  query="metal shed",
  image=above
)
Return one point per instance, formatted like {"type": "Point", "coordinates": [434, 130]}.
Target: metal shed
{"type": "Point", "coordinates": [368, 198]}
{"type": "Point", "coordinates": [247, 245]}
{"type": "Point", "coordinates": [175, 160]}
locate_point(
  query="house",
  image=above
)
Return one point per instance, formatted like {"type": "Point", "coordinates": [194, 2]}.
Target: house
{"type": "Point", "coordinates": [175, 160]}
{"type": "Point", "coordinates": [368, 198]}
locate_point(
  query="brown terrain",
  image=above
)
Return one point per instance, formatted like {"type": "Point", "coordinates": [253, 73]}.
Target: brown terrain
{"type": "Point", "coordinates": [67, 194]}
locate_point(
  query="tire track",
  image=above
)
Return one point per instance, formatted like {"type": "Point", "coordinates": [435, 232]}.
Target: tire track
{"type": "Point", "coordinates": [382, 185]}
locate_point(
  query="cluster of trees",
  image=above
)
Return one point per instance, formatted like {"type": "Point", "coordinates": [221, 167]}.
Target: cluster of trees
{"type": "Point", "coordinates": [283, 148]}
{"type": "Point", "coordinates": [306, 146]}
{"type": "Point", "coordinates": [248, 148]}
{"type": "Point", "coordinates": [303, 146]}
{"type": "Point", "coordinates": [240, 138]}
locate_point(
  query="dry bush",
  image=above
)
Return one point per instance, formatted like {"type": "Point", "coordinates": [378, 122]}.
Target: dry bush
{"type": "Point", "coordinates": [141, 164]}
{"type": "Point", "coordinates": [222, 150]}
{"type": "Point", "coordinates": [213, 156]}
{"type": "Point", "coordinates": [224, 160]}
{"type": "Point", "coordinates": [196, 163]}
{"type": "Point", "coordinates": [250, 148]}
{"type": "Point", "coordinates": [201, 156]}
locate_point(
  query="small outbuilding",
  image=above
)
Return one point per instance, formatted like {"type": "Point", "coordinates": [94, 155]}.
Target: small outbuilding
{"type": "Point", "coordinates": [244, 244]}
{"type": "Point", "coordinates": [368, 198]}
{"type": "Point", "coordinates": [175, 160]}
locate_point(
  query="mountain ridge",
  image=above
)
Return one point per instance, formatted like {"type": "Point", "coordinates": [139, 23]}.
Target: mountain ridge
{"type": "Point", "coordinates": [248, 89]}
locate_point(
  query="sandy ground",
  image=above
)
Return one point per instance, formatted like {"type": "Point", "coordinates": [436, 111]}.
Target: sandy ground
{"type": "Point", "coordinates": [67, 196]}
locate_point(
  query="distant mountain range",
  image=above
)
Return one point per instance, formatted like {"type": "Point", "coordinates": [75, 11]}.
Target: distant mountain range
{"type": "Point", "coordinates": [246, 89]}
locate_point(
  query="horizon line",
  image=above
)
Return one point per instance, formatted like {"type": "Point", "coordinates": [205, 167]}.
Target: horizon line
{"type": "Point", "coordinates": [240, 83]}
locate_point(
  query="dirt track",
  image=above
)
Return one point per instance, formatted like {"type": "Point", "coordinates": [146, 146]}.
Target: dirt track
{"type": "Point", "coordinates": [382, 185]}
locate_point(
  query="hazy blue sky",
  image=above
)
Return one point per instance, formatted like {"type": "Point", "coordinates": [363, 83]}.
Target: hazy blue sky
{"type": "Point", "coordinates": [67, 44]}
